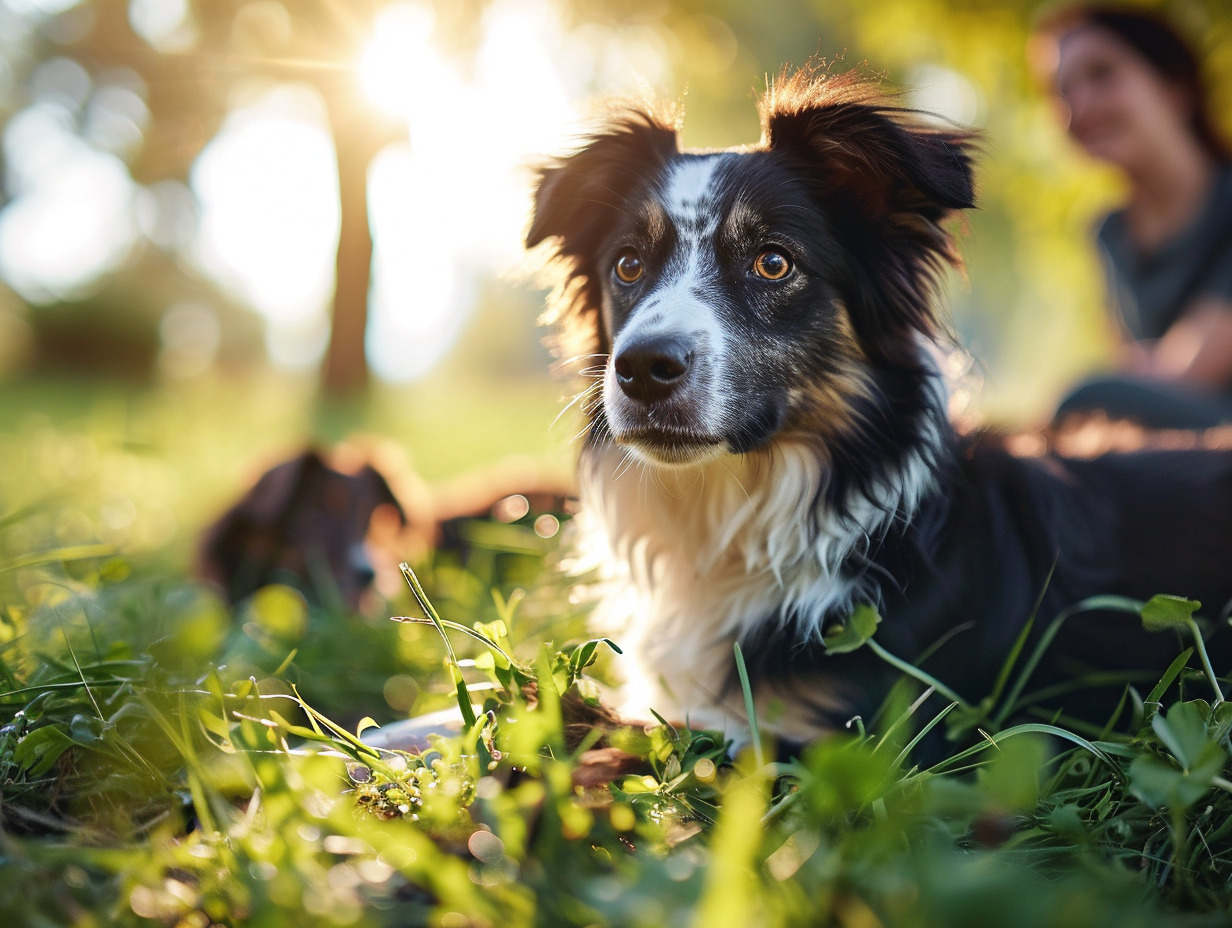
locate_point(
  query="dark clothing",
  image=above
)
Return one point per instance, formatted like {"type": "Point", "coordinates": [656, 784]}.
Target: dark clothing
{"type": "Point", "coordinates": [1149, 293]}
{"type": "Point", "coordinates": [1155, 404]}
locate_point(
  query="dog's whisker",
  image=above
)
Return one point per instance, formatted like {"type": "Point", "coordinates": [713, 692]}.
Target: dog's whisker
{"type": "Point", "coordinates": [578, 400]}
{"type": "Point", "coordinates": [657, 481]}
{"type": "Point", "coordinates": [740, 483]}
{"type": "Point", "coordinates": [574, 359]}
{"type": "Point", "coordinates": [625, 464]}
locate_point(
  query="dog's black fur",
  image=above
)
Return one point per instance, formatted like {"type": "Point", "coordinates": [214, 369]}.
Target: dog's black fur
{"type": "Point", "coordinates": [817, 384]}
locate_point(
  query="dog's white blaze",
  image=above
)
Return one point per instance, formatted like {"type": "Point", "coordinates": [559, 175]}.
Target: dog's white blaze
{"type": "Point", "coordinates": [687, 188]}
{"type": "Point", "coordinates": [697, 557]}
{"type": "Point", "coordinates": [673, 307]}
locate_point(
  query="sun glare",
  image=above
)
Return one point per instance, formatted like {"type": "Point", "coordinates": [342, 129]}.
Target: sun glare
{"type": "Point", "coordinates": [268, 190]}
{"type": "Point", "coordinates": [447, 206]}
{"type": "Point", "coordinates": [398, 56]}
{"type": "Point", "coordinates": [451, 205]}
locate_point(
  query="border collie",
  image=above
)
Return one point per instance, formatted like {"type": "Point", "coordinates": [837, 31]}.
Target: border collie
{"type": "Point", "coordinates": [768, 446]}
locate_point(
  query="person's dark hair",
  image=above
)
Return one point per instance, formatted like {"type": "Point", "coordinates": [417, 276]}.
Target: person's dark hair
{"type": "Point", "coordinates": [1157, 42]}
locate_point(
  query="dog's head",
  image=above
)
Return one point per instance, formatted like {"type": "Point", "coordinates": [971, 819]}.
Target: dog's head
{"type": "Point", "coordinates": [304, 522]}
{"type": "Point", "coordinates": [737, 296]}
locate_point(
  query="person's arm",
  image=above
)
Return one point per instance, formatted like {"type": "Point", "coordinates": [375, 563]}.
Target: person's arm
{"type": "Point", "coordinates": [1196, 349]}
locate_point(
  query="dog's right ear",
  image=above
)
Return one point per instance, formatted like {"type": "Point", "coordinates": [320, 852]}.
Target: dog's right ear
{"type": "Point", "coordinates": [578, 199]}
{"type": "Point", "coordinates": [577, 196]}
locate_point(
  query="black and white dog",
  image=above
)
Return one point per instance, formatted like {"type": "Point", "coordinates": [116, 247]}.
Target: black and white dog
{"type": "Point", "coordinates": [768, 443]}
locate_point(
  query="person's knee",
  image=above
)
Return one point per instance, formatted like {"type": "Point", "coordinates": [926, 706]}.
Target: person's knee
{"type": "Point", "coordinates": [1146, 402]}
{"type": "Point", "coordinates": [1096, 394]}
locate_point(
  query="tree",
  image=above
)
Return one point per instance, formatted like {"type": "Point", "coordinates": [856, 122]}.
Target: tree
{"type": "Point", "coordinates": [189, 76]}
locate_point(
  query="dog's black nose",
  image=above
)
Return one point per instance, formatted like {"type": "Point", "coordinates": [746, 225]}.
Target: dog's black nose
{"type": "Point", "coordinates": [650, 369]}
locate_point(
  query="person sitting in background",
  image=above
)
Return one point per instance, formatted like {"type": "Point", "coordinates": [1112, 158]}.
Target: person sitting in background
{"type": "Point", "coordinates": [1135, 98]}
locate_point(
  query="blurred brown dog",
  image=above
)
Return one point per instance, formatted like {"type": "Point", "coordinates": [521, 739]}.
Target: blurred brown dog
{"type": "Point", "coordinates": [304, 522]}
{"type": "Point", "coordinates": [330, 523]}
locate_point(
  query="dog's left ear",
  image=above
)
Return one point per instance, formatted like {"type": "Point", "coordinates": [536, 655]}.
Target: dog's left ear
{"type": "Point", "coordinates": [889, 179]}
{"type": "Point", "coordinates": [883, 158]}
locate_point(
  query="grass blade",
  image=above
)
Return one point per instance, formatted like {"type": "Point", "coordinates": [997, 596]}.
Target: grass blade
{"type": "Point", "coordinates": [749, 708]}
{"type": "Point", "coordinates": [913, 671]}
{"type": "Point", "coordinates": [455, 670]}
{"type": "Point", "coordinates": [1109, 603]}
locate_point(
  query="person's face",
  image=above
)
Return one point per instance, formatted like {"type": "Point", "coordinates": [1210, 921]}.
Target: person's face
{"type": "Point", "coordinates": [1120, 107]}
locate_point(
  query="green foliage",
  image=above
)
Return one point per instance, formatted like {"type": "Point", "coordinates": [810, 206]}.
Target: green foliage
{"type": "Point", "coordinates": [1196, 759]}
{"type": "Point", "coordinates": [862, 625]}
{"type": "Point", "coordinates": [164, 760]}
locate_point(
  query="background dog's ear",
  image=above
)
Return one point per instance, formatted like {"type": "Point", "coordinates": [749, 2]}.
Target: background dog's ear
{"type": "Point", "coordinates": [889, 179]}
{"type": "Point", "coordinates": [576, 195]}
{"type": "Point", "coordinates": [381, 492]}
{"type": "Point", "coordinates": [276, 491]}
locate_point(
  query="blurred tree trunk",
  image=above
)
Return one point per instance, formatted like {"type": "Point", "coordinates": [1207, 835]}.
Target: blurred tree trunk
{"type": "Point", "coordinates": [346, 364]}
{"type": "Point", "coordinates": [189, 95]}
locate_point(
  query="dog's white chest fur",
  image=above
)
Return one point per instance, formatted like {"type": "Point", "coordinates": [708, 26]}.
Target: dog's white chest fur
{"type": "Point", "coordinates": [696, 558]}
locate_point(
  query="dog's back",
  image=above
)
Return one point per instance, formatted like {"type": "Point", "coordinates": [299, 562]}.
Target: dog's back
{"type": "Point", "coordinates": [1027, 538]}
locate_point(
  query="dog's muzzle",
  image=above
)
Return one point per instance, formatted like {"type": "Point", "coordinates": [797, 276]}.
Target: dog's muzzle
{"type": "Point", "coordinates": [659, 401]}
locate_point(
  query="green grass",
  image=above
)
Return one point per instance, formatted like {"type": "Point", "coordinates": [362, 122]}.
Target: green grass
{"type": "Point", "coordinates": [166, 760]}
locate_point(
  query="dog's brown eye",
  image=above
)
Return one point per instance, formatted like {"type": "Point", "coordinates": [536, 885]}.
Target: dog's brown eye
{"type": "Point", "coordinates": [772, 264]}
{"type": "Point", "coordinates": [628, 266]}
